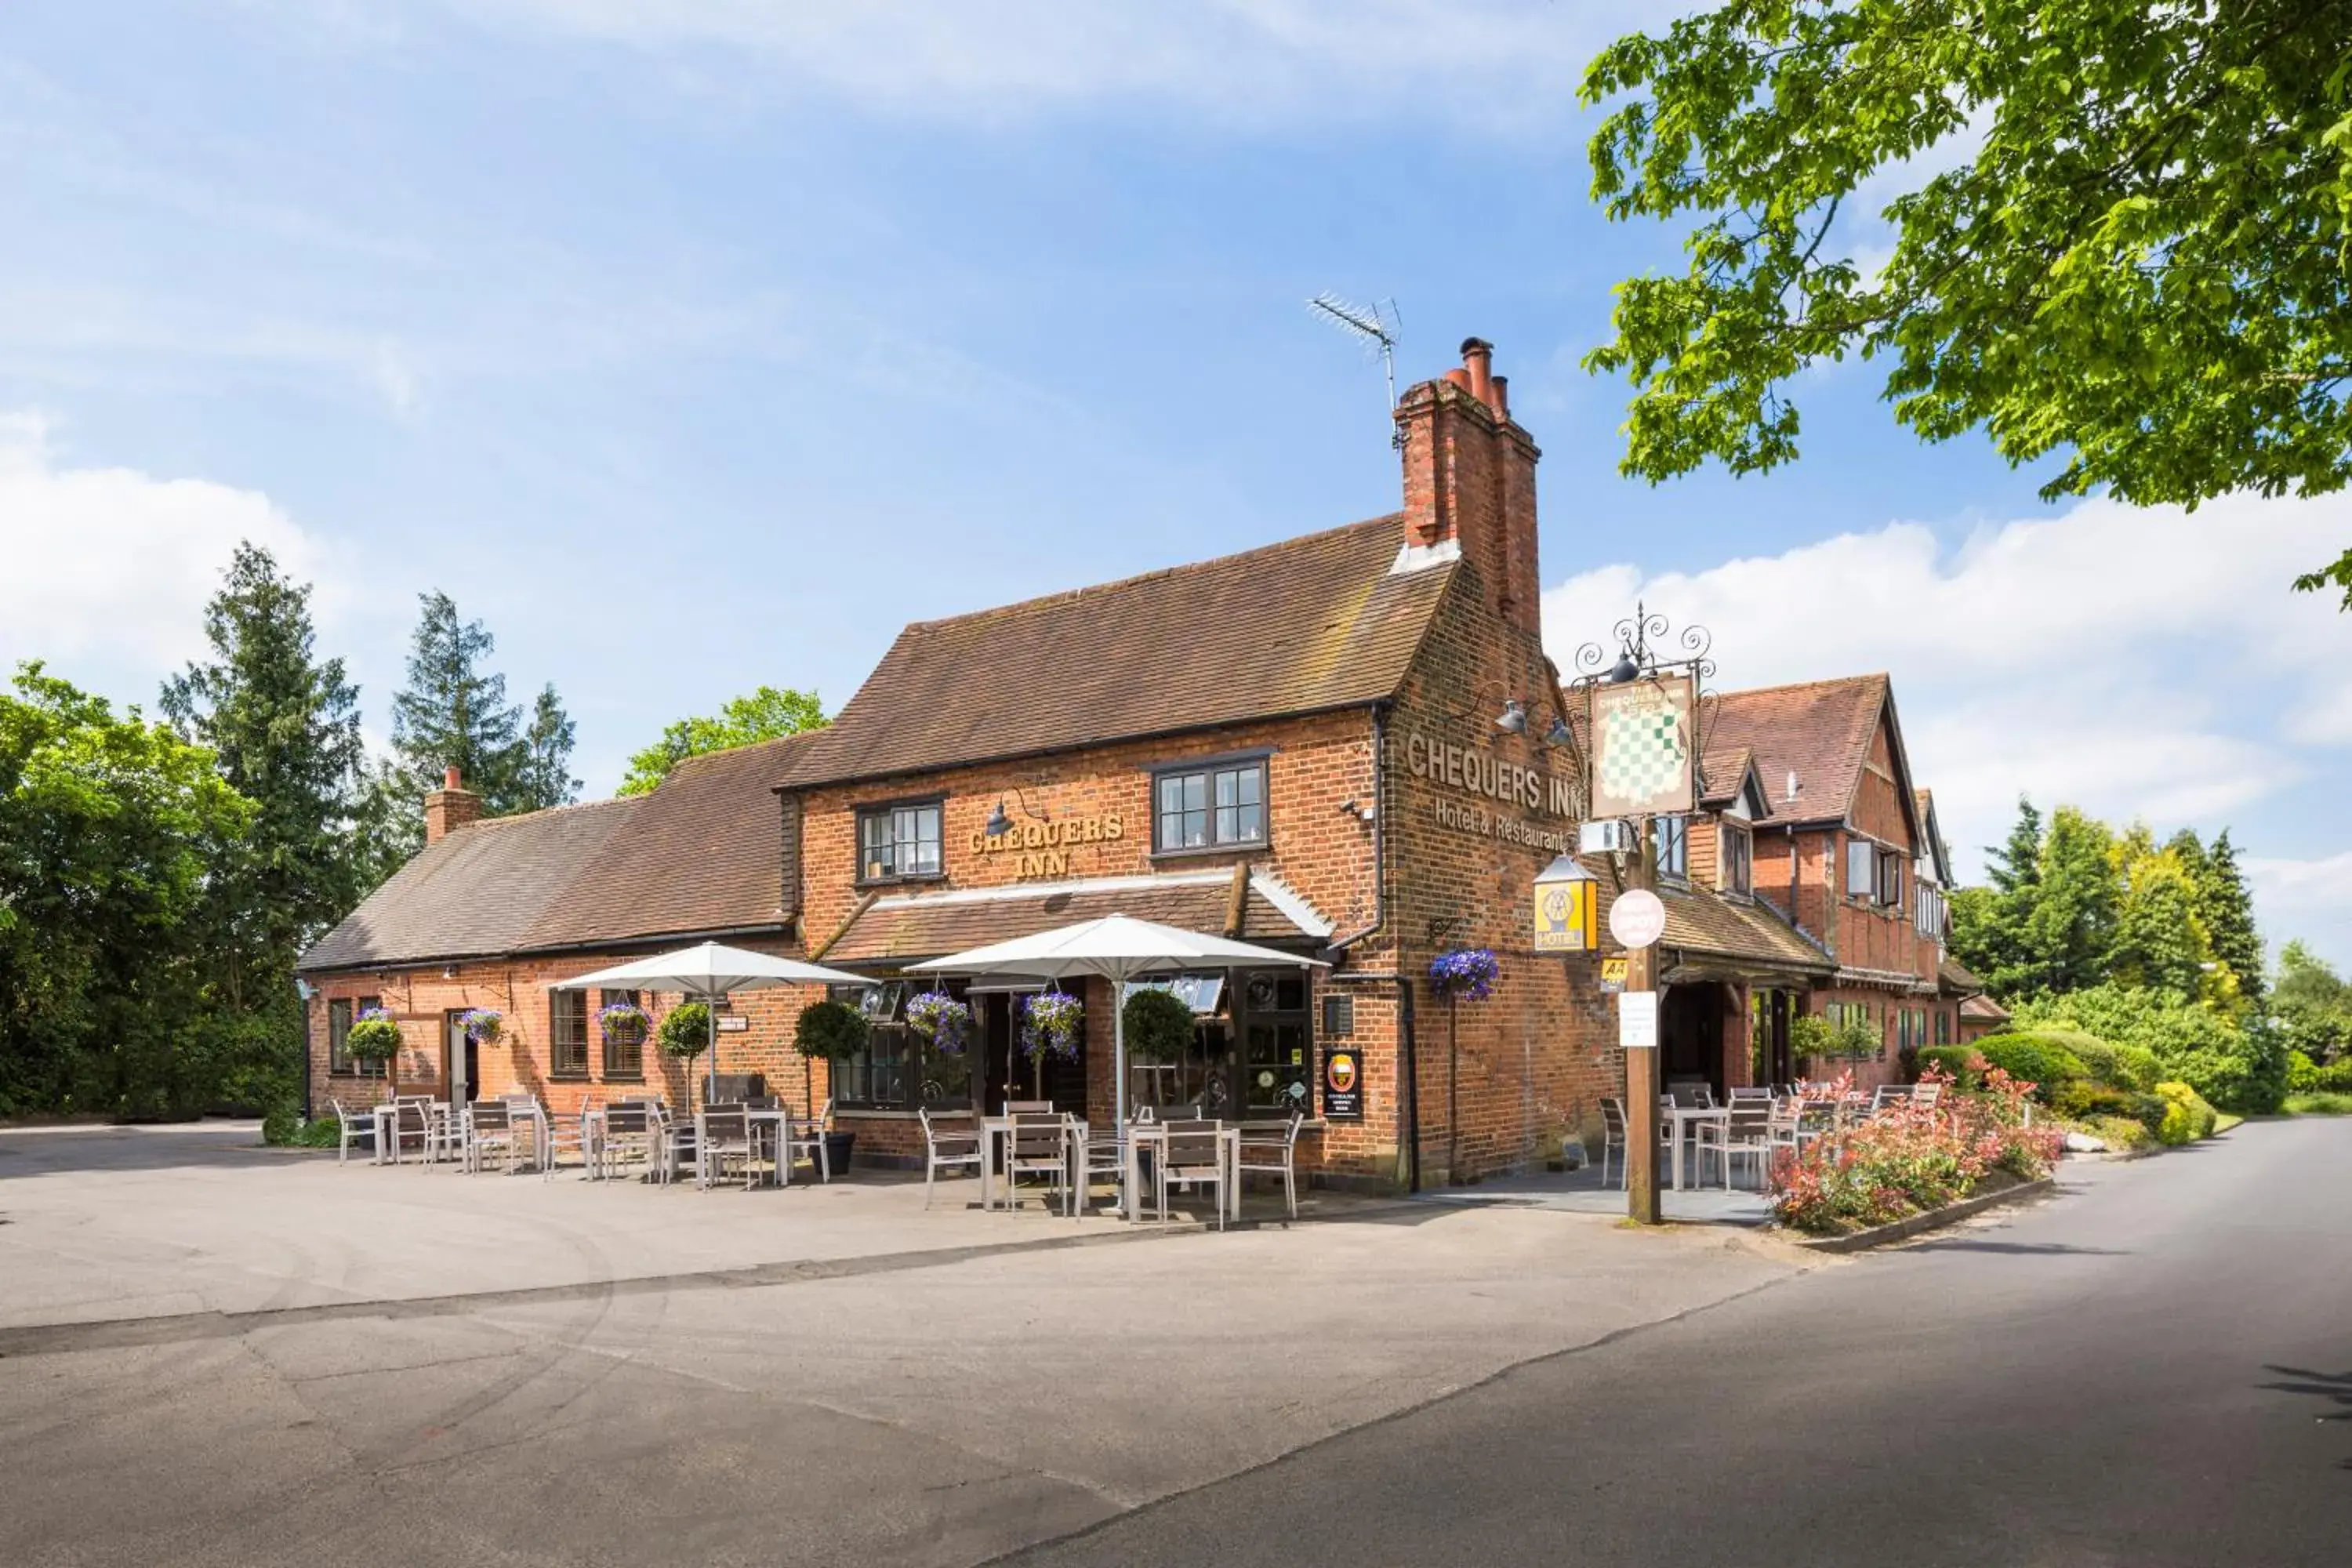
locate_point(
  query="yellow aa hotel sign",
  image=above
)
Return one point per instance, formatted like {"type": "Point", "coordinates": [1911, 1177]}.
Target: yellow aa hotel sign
{"type": "Point", "coordinates": [1568, 907]}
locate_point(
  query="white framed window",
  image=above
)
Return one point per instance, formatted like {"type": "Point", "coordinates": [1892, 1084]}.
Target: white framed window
{"type": "Point", "coordinates": [1860, 868]}
{"type": "Point", "coordinates": [1671, 836]}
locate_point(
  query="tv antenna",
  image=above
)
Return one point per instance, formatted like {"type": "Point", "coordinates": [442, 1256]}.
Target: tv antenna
{"type": "Point", "coordinates": [1377, 326]}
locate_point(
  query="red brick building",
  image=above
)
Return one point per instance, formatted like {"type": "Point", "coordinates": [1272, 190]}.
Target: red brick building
{"type": "Point", "coordinates": [1297, 745]}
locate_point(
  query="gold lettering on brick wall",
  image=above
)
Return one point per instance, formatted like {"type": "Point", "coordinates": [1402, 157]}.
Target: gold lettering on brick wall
{"type": "Point", "coordinates": [1043, 849]}
{"type": "Point", "coordinates": [1474, 770]}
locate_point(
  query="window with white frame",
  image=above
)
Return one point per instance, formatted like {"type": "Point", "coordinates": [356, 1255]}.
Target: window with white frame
{"type": "Point", "coordinates": [895, 842]}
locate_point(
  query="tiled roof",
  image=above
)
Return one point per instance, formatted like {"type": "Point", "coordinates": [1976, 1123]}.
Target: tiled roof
{"type": "Point", "coordinates": [1725, 769]}
{"type": "Point", "coordinates": [700, 855]}
{"type": "Point", "coordinates": [476, 892]}
{"type": "Point", "coordinates": [1819, 731]}
{"type": "Point", "coordinates": [703, 853]}
{"type": "Point", "coordinates": [1310, 623]}
{"type": "Point", "coordinates": [1956, 979]}
{"type": "Point", "coordinates": [1983, 1008]}
{"type": "Point", "coordinates": [1705, 924]}
{"type": "Point", "coordinates": [903, 928]}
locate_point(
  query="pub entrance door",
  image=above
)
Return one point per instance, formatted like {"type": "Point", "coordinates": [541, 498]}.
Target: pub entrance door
{"type": "Point", "coordinates": [461, 1060]}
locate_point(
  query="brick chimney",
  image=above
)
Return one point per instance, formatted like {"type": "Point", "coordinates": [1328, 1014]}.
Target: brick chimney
{"type": "Point", "coordinates": [1470, 481]}
{"type": "Point", "coordinates": [451, 805]}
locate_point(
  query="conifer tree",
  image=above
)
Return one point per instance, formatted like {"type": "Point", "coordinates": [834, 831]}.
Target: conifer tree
{"type": "Point", "coordinates": [2227, 907]}
{"type": "Point", "coordinates": [545, 777]}
{"type": "Point", "coordinates": [455, 714]}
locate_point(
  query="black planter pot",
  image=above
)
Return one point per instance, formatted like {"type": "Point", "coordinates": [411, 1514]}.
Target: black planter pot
{"type": "Point", "coordinates": [839, 1147]}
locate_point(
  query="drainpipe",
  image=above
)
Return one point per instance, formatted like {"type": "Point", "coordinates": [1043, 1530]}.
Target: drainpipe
{"type": "Point", "coordinates": [1379, 835]}
{"type": "Point", "coordinates": [1409, 1102]}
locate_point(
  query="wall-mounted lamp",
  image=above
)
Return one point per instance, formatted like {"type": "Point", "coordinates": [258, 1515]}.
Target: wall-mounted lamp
{"type": "Point", "coordinates": [998, 824]}
{"type": "Point", "coordinates": [1514, 719]}
{"type": "Point", "coordinates": [1362, 813]}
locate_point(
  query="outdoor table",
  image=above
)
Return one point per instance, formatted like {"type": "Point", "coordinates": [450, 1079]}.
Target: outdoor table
{"type": "Point", "coordinates": [994, 1130]}
{"type": "Point", "coordinates": [1139, 1133]}
{"type": "Point", "coordinates": [1685, 1119]}
{"type": "Point", "coordinates": [387, 1121]}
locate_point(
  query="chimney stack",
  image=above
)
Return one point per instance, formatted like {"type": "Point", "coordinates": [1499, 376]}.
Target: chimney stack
{"type": "Point", "coordinates": [1470, 484]}
{"type": "Point", "coordinates": [453, 805]}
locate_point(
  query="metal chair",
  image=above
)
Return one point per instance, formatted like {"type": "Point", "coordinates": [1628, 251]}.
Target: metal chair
{"type": "Point", "coordinates": [629, 1134]}
{"type": "Point", "coordinates": [1106, 1157]}
{"type": "Point", "coordinates": [412, 1126]}
{"type": "Point", "coordinates": [947, 1147]}
{"type": "Point", "coordinates": [1192, 1154]}
{"type": "Point", "coordinates": [1612, 1136]}
{"type": "Point", "coordinates": [354, 1130]}
{"type": "Point", "coordinates": [803, 1141]}
{"type": "Point", "coordinates": [489, 1129]}
{"type": "Point", "coordinates": [1745, 1129]}
{"type": "Point", "coordinates": [1028, 1107]}
{"type": "Point", "coordinates": [725, 1134]}
{"type": "Point", "coordinates": [566, 1132]}
{"type": "Point", "coordinates": [1267, 1155]}
{"type": "Point", "coordinates": [1037, 1145]}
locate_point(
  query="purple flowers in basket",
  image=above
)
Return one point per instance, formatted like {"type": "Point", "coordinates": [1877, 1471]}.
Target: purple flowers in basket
{"type": "Point", "coordinates": [1052, 1021]}
{"type": "Point", "coordinates": [941, 1019]}
{"type": "Point", "coordinates": [1466, 972]}
{"type": "Point", "coordinates": [625, 1022]}
{"type": "Point", "coordinates": [482, 1024]}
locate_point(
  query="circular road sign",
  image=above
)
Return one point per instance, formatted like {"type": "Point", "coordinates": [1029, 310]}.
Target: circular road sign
{"type": "Point", "coordinates": [1637, 919]}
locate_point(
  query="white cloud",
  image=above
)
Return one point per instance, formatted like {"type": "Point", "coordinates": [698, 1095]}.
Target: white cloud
{"type": "Point", "coordinates": [2307, 899]}
{"type": "Point", "coordinates": [109, 569]}
{"type": "Point", "coordinates": [1248, 61]}
{"type": "Point", "coordinates": [2132, 661]}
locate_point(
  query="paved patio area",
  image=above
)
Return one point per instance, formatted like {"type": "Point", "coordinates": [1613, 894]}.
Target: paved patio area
{"type": "Point", "coordinates": [218, 1354]}
{"type": "Point", "coordinates": [1580, 1192]}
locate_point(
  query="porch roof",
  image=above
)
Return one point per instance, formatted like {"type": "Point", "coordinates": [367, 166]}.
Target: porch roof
{"type": "Point", "coordinates": [1706, 925]}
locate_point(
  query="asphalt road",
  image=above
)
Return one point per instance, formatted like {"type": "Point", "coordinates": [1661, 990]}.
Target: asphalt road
{"type": "Point", "coordinates": [2154, 1368]}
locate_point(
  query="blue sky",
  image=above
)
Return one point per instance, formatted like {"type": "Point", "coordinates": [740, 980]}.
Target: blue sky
{"type": "Point", "coordinates": [693, 354]}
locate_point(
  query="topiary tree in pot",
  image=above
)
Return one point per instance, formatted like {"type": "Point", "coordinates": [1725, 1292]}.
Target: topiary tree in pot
{"type": "Point", "coordinates": [830, 1032]}
{"type": "Point", "coordinates": [374, 1038]}
{"type": "Point", "coordinates": [684, 1035]}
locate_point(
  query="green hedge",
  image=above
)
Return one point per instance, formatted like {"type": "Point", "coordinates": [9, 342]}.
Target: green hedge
{"type": "Point", "coordinates": [2335, 1077]}
{"type": "Point", "coordinates": [2040, 1061]}
{"type": "Point", "coordinates": [2186, 1117]}
{"type": "Point", "coordinates": [1955, 1059]}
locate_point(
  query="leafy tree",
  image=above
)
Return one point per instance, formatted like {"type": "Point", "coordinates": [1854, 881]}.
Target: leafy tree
{"type": "Point", "coordinates": [2070, 931]}
{"type": "Point", "coordinates": [453, 712]}
{"type": "Point", "coordinates": [546, 774]}
{"type": "Point", "coordinates": [2160, 943]}
{"type": "Point", "coordinates": [387, 824]}
{"type": "Point", "coordinates": [2227, 907]}
{"type": "Point", "coordinates": [765, 715]}
{"type": "Point", "coordinates": [284, 727]}
{"type": "Point", "coordinates": [111, 832]}
{"type": "Point", "coordinates": [2140, 263]}
{"type": "Point", "coordinates": [2313, 1003]}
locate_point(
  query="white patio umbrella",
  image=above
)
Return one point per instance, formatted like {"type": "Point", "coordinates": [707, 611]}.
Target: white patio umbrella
{"type": "Point", "coordinates": [1120, 948]}
{"type": "Point", "coordinates": [710, 970]}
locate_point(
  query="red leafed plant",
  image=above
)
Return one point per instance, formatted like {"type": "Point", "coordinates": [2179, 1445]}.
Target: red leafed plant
{"type": "Point", "coordinates": [1912, 1155]}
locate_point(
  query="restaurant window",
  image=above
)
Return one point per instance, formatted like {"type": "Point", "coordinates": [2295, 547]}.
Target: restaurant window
{"type": "Point", "coordinates": [567, 1034]}
{"type": "Point", "coordinates": [1737, 853]}
{"type": "Point", "coordinates": [1670, 835]}
{"type": "Point", "coordinates": [1208, 807]}
{"type": "Point", "coordinates": [621, 1061]}
{"type": "Point", "coordinates": [341, 1012]}
{"type": "Point", "coordinates": [896, 1069]}
{"type": "Point", "coordinates": [1860, 868]}
{"type": "Point", "coordinates": [895, 842]}
{"type": "Point", "coordinates": [1277, 1034]}
{"type": "Point", "coordinates": [1943, 1025]}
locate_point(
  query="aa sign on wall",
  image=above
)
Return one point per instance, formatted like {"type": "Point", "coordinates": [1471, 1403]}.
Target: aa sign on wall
{"type": "Point", "coordinates": [1642, 748]}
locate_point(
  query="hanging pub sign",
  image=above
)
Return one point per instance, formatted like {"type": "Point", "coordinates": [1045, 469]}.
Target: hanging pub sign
{"type": "Point", "coordinates": [1343, 1084]}
{"type": "Point", "coordinates": [1568, 907]}
{"type": "Point", "coordinates": [1642, 748]}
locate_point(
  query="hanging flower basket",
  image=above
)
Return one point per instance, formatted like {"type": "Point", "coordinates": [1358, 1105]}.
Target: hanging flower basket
{"type": "Point", "coordinates": [624, 1024]}
{"type": "Point", "coordinates": [1052, 1022]}
{"type": "Point", "coordinates": [373, 1036]}
{"type": "Point", "coordinates": [941, 1020]}
{"type": "Point", "coordinates": [482, 1025]}
{"type": "Point", "coordinates": [1465, 974]}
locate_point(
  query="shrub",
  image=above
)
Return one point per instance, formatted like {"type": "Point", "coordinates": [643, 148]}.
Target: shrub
{"type": "Point", "coordinates": [1158, 1025]}
{"type": "Point", "coordinates": [2234, 1069]}
{"type": "Point", "coordinates": [285, 1128]}
{"type": "Point", "coordinates": [1964, 1064]}
{"type": "Point", "coordinates": [2321, 1104]}
{"type": "Point", "coordinates": [1912, 1157]}
{"type": "Point", "coordinates": [373, 1037]}
{"type": "Point", "coordinates": [2302, 1073]}
{"type": "Point", "coordinates": [2112, 1063]}
{"type": "Point", "coordinates": [1814, 1038]}
{"type": "Point", "coordinates": [2045, 1065]}
{"type": "Point", "coordinates": [2121, 1133]}
{"type": "Point", "coordinates": [282, 1125]}
{"type": "Point", "coordinates": [2186, 1117]}
{"type": "Point", "coordinates": [2081, 1101]}
{"type": "Point", "coordinates": [2335, 1077]}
